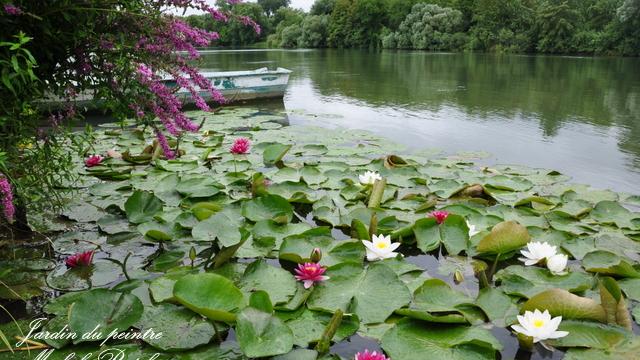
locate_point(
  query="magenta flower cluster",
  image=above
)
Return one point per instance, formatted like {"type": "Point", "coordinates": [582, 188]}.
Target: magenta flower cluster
{"type": "Point", "coordinates": [366, 355]}
{"type": "Point", "coordinates": [6, 198]}
{"type": "Point", "coordinates": [12, 9]}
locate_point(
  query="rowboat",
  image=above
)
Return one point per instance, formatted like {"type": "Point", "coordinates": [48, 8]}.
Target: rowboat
{"type": "Point", "coordinates": [234, 85]}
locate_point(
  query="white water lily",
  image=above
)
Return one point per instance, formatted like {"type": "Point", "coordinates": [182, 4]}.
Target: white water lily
{"type": "Point", "coordinates": [536, 252]}
{"type": "Point", "coordinates": [557, 264]}
{"type": "Point", "coordinates": [539, 325]}
{"type": "Point", "coordinates": [472, 229]}
{"type": "Point", "coordinates": [380, 248]}
{"type": "Point", "coordinates": [369, 178]}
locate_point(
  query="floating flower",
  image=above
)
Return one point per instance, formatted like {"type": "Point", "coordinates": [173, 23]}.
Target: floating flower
{"type": "Point", "coordinates": [369, 178]}
{"type": "Point", "coordinates": [310, 273]}
{"type": "Point", "coordinates": [439, 215]}
{"type": "Point", "coordinates": [557, 264]}
{"type": "Point", "coordinates": [536, 252]}
{"type": "Point", "coordinates": [80, 259]}
{"type": "Point", "coordinates": [366, 355]}
{"type": "Point", "coordinates": [380, 248]}
{"type": "Point", "coordinates": [472, 229]}
{"type": "Point", "coordinates": [6, 199]}
{"type": "Point", "coordinates": [240, 146]}
{"type": "Point", "coordinates": [93, 160]}
{"type": "Point", "coordinates": [540, 326]}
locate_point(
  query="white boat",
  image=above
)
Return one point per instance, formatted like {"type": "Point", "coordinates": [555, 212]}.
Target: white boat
{"type": "Point", "coordinates": [242, 85]}
{"type": "Point", "coordinates": [235, 86]}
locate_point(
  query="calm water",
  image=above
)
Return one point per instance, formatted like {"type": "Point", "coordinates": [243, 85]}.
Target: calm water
{"type": "Point", "coordinates": [580, 116]}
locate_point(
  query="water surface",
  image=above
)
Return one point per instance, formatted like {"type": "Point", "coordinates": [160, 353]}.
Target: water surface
{"type": "Point", "coordinates": [577, 115]}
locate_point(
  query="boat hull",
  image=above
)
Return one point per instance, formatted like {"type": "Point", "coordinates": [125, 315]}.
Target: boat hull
{"type": "Point", "coordinates": [243, 85]}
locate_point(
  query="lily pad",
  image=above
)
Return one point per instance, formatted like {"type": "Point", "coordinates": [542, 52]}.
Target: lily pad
{"type": "Point", "coordinates": [142, 206]}
{"type": "Point", "coordinates": [210, 295]}
{"type": "Point", "coordinates": [261, 334]}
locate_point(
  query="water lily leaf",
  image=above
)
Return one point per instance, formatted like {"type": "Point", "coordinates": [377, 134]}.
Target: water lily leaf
{"type": "Point", "coordinates": [268, 207]}
{"type": "Point", "coordinates": [198, 186]}
{"type": "Point", "coordinates": [372, 294]}
{"type": "Point", "coordinates": [278, 283]}
{"type": "Point", "coordinates": [210, 295]}
{"type": "Point", "coordinates": [181, 328]}
{"type": "Point", "coordinates": [626, 349]}
{"type": "Point", "coordinates": [560, 302]}
{"type": "Point", "coordinates": [499, 307]}
{"type": "Point", "coordinates": [613, 303]}
{"type": "Point", "coordinates": [611, 212]}
{"type": "Point", "coordinates": [110, 310]}
{"type": "Point", "coordinates": [113, 224]}
{"type": "Point", "coordinates": [299, 354]}
{"type": "Point", "coordinates": [631, 288]}
{"type": "Point", "coordinates": [274, 153]}
{"type": "Point", "coordinates": [508, 183]}
{"type": "Point", "coordinates": [412, 340]}
{"type": "Point", "coordinates": [427, 233]}
{"type": "Point", "coordinates": [297, 248]}
{"type": "Point", "coordinates": [529, 281]}
{"type": "Point", "coordinates": [261, 334]}
{"type": "Point", "coordinates": [590, 335]}
{"type": "Point", "coordinates": [608, 263]}
{"type": "Point", "coordinates": [161, 288]}
{"type": "Point", "coordinates": [308, 327]}
{"type": "Point", "coordinates": [223, 226]}
{"type": "Point", "coordinates": [142, 206]}
{"type": "Point", "coordinates": [505, 237]}
{"type": "Point", "coordinates": [436, 301]}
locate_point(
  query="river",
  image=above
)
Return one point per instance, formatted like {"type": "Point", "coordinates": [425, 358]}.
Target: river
{"type": "Point", "coordinates": [577, 115]}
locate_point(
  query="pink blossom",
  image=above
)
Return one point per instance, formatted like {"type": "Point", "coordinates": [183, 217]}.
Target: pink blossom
{"type": "Point", "coordinates": [366, 355]}
{"type": "Point", "coordinates": [164, 144]}
{"type": "Point", "coordinates": [439, 215]}
{"type": "Point", "coordinates": [93, 160]}
{"type": "Point", "coordinates": [8, 208]}
{"type": "Point", "coordinates": [79, 259]}
{"type": "Point", "coordinates": [310, 273]}
{"type": "Point", "coordinates": [12, 9]}
{"type": "Point", "coordinates": [240, 146]}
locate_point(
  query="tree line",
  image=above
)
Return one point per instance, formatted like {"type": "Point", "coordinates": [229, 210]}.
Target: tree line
{"type": "Point", "coordinates": [599, 27]}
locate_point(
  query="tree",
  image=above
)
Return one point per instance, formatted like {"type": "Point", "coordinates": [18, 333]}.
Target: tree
{"type": "Point", "coordinates": [429, 27]}
{"type": "Point", "coordinates": [117, 53]}
{"type": "Point", "coordinates": [502, 25]}
{"type": "Point", "coordinates": [271, 6]}
{"type": "Point", "coordinates": [314, 31]}
{"type": "Point", "coordinates": [556, 25]}
{"type": "Point", "coordinates": [322, 7]}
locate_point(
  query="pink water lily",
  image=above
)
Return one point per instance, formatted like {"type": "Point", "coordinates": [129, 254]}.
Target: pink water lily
{"type": "Point", "coordinates": [310, 273]}
{"type": "Point", "coordinates": [366, 355]}
{"type": "Point", "coordinates": [80, 259]}
{"type": "Point", "coordinates": [240, 146]}
{"type": "Point", "coordinates": [439, 215]}
{"type": "Point", "coordinates": [93, 160]}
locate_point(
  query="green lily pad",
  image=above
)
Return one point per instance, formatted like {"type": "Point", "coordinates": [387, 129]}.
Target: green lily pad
{"type": "Point", "coordinates": [210, 295]}
{"type": "Point", "coordinates": [268, 207]}
{"type": "Point", "coordinates": [505, 237]}
{"type": "Point", "coordinates": [529, 281]}
{"type": "Point", "coordinates": [278, 283]}
{"type": "Point", "coordinates": [261, 334]}
{"type": "Point", "coordinates": [181, 328]}
{"type": "Point", "coordinates": [413, 340]}
{"type": "Point", "coordinates": [372, 294]}
{"type": "Point", "coordinates": [608, 263]}
{"type": "Point", "coordinates": [106, 309]}
{"type": "Point", "coordinates": [563, 303]}
{"type": "Point", "coordinates": [142, 206]}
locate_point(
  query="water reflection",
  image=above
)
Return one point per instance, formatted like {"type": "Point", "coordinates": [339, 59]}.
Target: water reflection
{"type": "Point", "coordinates": [578, 115]}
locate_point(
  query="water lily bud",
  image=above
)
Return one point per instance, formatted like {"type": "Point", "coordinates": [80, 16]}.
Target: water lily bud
{"type": "Point", "coordinates": [192, 254]}
{"type": "Point", "coordinates": [316, 255]}
{"type": "Point", "coordinates": [458, 277]}
{"type": "Point", "coordinates": [557, 264]}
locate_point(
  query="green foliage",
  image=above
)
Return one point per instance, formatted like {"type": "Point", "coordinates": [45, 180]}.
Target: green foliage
{"type": "Point", "coordinates": [271, 6]}
{"type": "Point", "coordinates": [429, 27]}
{"type": "Point", "coordinates": [322, 7]}
{"type": "Point", "coordinates": [314, 31]}
{"type": "Point", "coordinates": [234, 32]}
